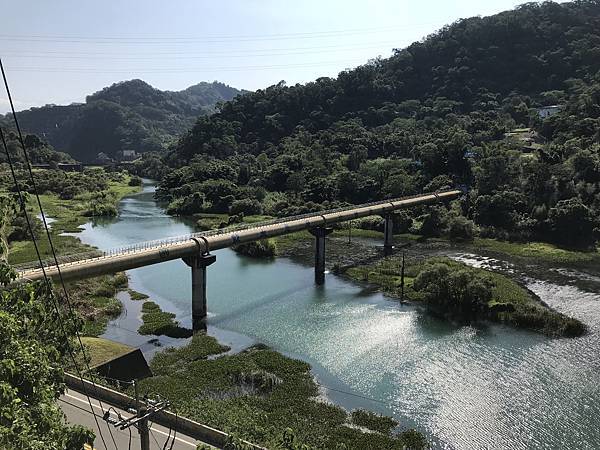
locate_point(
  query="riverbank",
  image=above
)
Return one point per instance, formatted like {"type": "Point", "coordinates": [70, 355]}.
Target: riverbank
{"type": "Point", "coordinates": [260, 394]}
{"type": "Point", "coordinates": [95, 299]}
{"type": "Point", "coordinates": [512, 304]}
{"type": "Point", "coordinates": [367, 352]}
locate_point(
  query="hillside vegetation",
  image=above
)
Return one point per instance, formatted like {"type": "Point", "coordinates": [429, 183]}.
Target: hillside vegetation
{"type": "Point", "coordinates": [39, 152]}
{"type": "Point", "coordinates": [130, 115]}
{"type": "Point", "coordinates": [435, 114]}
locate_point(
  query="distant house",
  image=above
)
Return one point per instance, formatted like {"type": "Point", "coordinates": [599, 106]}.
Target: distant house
{"type": "Point", "coordinates": [66, 167]}
{"type": "Point", "coordinates": [103, 159]}
{"type": "Point", "coordinates": [128, 155]}
{"type": "Point", "coordinates": [527, 139]}
{"type": "Point", "coordinates": [547, 111]}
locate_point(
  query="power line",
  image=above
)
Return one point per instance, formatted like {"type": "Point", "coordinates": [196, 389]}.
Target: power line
{"type": "Point", "coordinates": [182, 70]}
{"type": "Point", "coordinates": [353, 394]}
{"type": "Point", "coordinates": [204, 52]}
{"type": "Point", "coordinates": [47, 280]}
{"type": "Point", "coordinates": [206, 39]}
{"type": "Point", "coordinates": [220, 55]}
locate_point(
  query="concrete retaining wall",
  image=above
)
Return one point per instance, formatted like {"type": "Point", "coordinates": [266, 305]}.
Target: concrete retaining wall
{"type": "Point", "coordinates": [165, 418]}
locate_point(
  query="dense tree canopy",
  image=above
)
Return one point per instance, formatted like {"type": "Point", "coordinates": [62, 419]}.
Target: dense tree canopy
{"type": "Point", "coordinates": [436, 114]}
{"type": "Point", "coordinates": [130, 115]}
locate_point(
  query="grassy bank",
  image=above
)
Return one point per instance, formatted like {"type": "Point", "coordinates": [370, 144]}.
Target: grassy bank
{"type": "Point", "coordinates": [101, 350]}
{"type": "Point", "coordinates": [540, 251]}
{"type": "Point", "coordinates": [258, 394]}
{"type": "Point", "coordinates": [93, 298]}
{"type": "Point", "coordinates": [68, 216]}
{"type": "Point", "coordinates": [511, 303]}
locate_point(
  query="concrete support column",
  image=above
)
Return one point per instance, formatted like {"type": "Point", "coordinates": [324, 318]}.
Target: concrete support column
{"type": "Point", "coordinates": [388, 233]}
{"type": "Point", "coordinates": [320, 234]}
{"type": "Point", "coordinates": [199, 265]}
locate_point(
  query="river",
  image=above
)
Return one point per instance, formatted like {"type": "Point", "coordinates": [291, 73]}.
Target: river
{"type": "Point", "coordinates": [465, 387]}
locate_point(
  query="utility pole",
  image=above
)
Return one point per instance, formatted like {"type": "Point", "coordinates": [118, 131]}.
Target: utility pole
{"type": "Point", "coordinates": [349, 231]}
{"type": "Point", "coordinates": [143, 411]}
{"type": "Point", "coordinates": [402, 280]}
{"type": "Point", "coordinates": [143, 428]}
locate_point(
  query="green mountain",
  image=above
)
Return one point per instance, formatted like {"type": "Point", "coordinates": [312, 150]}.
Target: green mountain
{"type": "Point", "coordinates": [130, 115]}
{"type": "Point", "coordinates": [434, 114]}
{"type": "Point", "coordinates": [40, 152]}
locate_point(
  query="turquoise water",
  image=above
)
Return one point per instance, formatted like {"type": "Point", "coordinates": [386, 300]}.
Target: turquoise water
{"type": "Point", "coordinates": [465, 387]}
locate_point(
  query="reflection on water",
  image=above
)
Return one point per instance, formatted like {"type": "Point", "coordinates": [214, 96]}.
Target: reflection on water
{"type": "Point", "coordinates": [492, 387]}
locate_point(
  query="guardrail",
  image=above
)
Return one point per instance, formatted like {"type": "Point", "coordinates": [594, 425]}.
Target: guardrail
{"type": "Point", "coordinates": [201, 432]}
{"type": "Point", "coordinates": [160, 243]}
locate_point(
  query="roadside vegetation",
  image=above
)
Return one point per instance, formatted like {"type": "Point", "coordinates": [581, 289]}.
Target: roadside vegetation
{"type": "Point", "coordinates": [264, 397]}
{"type": "Point", "coordinates": [68, 199]}
{"type": "Point", "coordinates": [36, 342]}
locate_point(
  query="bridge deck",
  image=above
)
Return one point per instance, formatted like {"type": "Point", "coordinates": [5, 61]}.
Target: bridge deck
{"type": "Point", "coordinates": [87, 265]}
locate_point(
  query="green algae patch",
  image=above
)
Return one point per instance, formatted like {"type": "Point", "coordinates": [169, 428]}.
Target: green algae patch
{"type": "Point", "coordinates": [161, 323]}
{"type": "Point", "coordinates": [262, 396]}
{"type": "Point", "coordinates": [135, 295]}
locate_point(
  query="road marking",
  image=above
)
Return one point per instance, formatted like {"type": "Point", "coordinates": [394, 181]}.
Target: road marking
{"type": "Point", "coordinates": [183, 441]}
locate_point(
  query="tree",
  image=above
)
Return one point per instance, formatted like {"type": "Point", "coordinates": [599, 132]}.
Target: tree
{"type": "Point", "coordinates": [36, 341]}
{"type": "Point", "coordinates": [460, 229]}
{"type": "Point", "coordinates": [572, 223]}
{"type": "Point", "coordinates": [456, 292]}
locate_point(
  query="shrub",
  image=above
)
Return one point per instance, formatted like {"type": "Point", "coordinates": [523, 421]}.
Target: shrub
{"type": "Point", "coordinates": [461, 293]}
{"type": "Point", "coordinates": [369, 223]}
{"type": "Point", "coordinates": [432, 222]}
{"type": "Point", "coordinates": [246, 206]}
{"type": "Point", "coordinates": [461, 229]}
{"type": "Point", "coordinates": [135, 181]}
{"type": "Point", "coordinates": [158, 322]}
{"type": "Point", "coordinates": [205, 224]}
{"type": "Point", "coordinates": [265, 248]}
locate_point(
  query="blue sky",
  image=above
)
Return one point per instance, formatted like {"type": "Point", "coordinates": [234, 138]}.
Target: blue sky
{"type": "Point", "coordinates": [58, 51]}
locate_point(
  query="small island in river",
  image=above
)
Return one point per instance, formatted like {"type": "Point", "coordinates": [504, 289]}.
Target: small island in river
{"type": "Point", "coordinates": [465, 294]}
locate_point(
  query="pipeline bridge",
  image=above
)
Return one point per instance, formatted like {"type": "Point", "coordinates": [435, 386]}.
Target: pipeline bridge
{"type": "Point", "coordinates": [195, 249]}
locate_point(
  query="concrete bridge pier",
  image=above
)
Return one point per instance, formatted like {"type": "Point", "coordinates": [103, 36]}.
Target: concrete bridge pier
{"type": "Point", "coordinates": [388, 234]}
{"type": "Point", "coordinates": [199, 265]}
{"type": "Point", "coordinates": [320, 233]}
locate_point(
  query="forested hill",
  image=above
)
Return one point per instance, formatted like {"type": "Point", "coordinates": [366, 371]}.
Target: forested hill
{"type": "Point", "coordinates": [473, 64]}
{"type": "Point", "coordinates": [130, 115]}
{"type": "Point", "coordinates": [436, 113]}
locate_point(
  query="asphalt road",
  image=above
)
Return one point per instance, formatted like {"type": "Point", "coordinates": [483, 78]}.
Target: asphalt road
{"type": "Point", "coordinates": [77, 409]}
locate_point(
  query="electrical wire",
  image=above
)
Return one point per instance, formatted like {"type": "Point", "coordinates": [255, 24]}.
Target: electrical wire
{"type": "Point", "coordinates": [152, 434]}
{"type": "Point", "coordinates": [188, 54]}
{"type": "Point", "coordinates": [47, 280]}
{"type": "Point", "coordinates": [37, 251]}
{"type": "Point", "coordinates": [364, 397]}
{"type": "Point", "coordinates": [207, 39]}
{"type": "Point", "coordinates": [158, 70]}
{"type": "Point", "coordinates": [164, 447]}
{"type": "Point", "coordinates": [175, 432]}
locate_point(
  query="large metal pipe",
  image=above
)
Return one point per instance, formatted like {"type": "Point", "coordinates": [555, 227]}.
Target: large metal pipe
{"type": "Point", "coordinates": [203, 244]}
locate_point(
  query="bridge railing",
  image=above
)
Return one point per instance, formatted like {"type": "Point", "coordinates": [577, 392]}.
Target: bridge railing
{"type": "Point", "coordinates": [158, 243]}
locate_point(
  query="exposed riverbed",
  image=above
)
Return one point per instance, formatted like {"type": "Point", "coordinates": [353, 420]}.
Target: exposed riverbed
{"type": "Point", "coordinates": [470, 388]}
